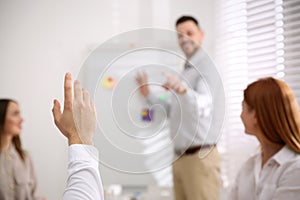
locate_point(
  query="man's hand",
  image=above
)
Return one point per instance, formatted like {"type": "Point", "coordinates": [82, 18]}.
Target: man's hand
{"type": "Point", "coordinates": [142, 80]}
{"type": "Point", "coordinates": [78, 120]}
{"type": "Point", "coordinates": [173, 83]}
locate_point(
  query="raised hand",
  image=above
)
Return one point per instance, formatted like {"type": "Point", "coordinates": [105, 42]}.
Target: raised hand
{"type": "Point", "coordinates": [142, 81]}
{"type": "Point", "coordinates": [78, 120]}
{"type": "Point", "coordinates": [173, 83]}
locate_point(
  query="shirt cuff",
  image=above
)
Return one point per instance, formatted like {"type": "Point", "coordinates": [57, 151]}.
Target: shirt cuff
{"type": "Point", "coordinates": [83, 152]}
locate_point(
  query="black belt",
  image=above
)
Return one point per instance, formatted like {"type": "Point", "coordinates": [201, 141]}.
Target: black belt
{"type": "Point", "coordinates": [195, 149]}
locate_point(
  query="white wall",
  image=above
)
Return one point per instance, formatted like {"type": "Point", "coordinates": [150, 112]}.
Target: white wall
{"type": "Point", "coordinates": [41, 40]}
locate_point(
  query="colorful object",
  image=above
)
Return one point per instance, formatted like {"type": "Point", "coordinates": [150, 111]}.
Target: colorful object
{"type": "Point", "coordinates": [162, 97]}
{"type": "Point", "coordinates": [108, 83]}
{"type": "Point", "coordinates": [147, 115]}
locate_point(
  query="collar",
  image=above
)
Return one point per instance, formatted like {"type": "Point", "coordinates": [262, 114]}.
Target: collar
{"type": "Point", "coordinates": [198, 54]}
{"type": "Point", "coordinates": [12, 151]}
{"type": "Point", "coordinates": [284, 155]}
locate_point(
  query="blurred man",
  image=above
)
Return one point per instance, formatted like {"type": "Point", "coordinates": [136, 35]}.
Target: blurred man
{"type": "Point", "coordinates": [194, 178]}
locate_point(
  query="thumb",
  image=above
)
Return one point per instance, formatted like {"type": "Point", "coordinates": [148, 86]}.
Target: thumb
{"type": "Point", "coordinates": [168, 76]}
{"type": "Point", "coordinates": [56, 111]}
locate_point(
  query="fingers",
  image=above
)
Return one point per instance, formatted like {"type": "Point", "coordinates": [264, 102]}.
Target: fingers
{"type": "Point", "coordinates": [78, 96]}
{"type": "Point", "coordinates": [144, 74]}
{"type": "Point", "coordinates": [56, 111]}
{"type": "Point", "coordinates": [86, 97]}
{"type": "Point", "coordinates": [169, 82]}
{"type": "Point", "coordinates": [173, 83]}
{"type": "Point", "coordinates": [138, 77]}
{"type": "Point", "coordinates": [93, 105]}
{"type": "Point", "coordinates": [68, 91]}
{"type": "Point", "coordinates": [141, 78]}
{"type": "Point", "coordinates": [177, 88]}
{"type": "Point", "coordinates": [142, 81]}
{"type": "Point", "coordinates": [167, 75]}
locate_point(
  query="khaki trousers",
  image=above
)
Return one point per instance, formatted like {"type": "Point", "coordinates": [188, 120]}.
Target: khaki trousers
{"type": "Point", "coordinates": [197, 178]}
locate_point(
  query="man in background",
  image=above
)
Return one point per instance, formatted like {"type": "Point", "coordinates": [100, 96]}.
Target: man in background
{"type": "Point", "coordinates": [194, 178]}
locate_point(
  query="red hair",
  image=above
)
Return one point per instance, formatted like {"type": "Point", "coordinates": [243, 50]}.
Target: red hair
{"type": "Point", "coordinates": [277, 111]}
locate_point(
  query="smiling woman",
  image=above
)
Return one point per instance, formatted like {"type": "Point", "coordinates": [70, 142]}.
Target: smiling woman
{"type": "Point", "coordinates": [17, 176]}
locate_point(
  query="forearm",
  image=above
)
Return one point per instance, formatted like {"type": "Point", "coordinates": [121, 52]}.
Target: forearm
{"type": "Point", "coordinates": [84, 181]}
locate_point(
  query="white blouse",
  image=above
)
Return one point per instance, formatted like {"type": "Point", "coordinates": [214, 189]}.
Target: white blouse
{"type": "Point", "coordinates": [279, 179]}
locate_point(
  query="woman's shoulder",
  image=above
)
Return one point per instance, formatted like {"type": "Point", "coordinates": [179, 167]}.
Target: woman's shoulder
{"type": "Point", "coordinates": [249, 164]}
{"type": "Point", "coordinates": [253, 159]}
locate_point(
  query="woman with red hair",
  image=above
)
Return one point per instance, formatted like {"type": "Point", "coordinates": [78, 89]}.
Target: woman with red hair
{"type": "Point", "coordinates": [270, 113]}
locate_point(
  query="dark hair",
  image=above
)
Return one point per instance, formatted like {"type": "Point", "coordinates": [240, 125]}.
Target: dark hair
{"type": "Point", "coordinates": [186, 18]}
{"type": "Point", "coordinates": [16, 139]}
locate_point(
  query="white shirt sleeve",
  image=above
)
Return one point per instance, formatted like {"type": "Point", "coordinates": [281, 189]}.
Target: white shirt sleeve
{"type": "Point", "coordinates": [84, 181]}
{"type": "Point", "coordinates": [289, 185]}
{"type": "Point", "coordinates": [199, 98]}
{"type": "Point", "coordinates": [233, 194]}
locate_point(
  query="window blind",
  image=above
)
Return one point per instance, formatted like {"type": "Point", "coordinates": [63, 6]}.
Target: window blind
{"type": "Point", "coordinates": [291, 43]}
{"type": "Point", "coordinates": [255, 38]}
